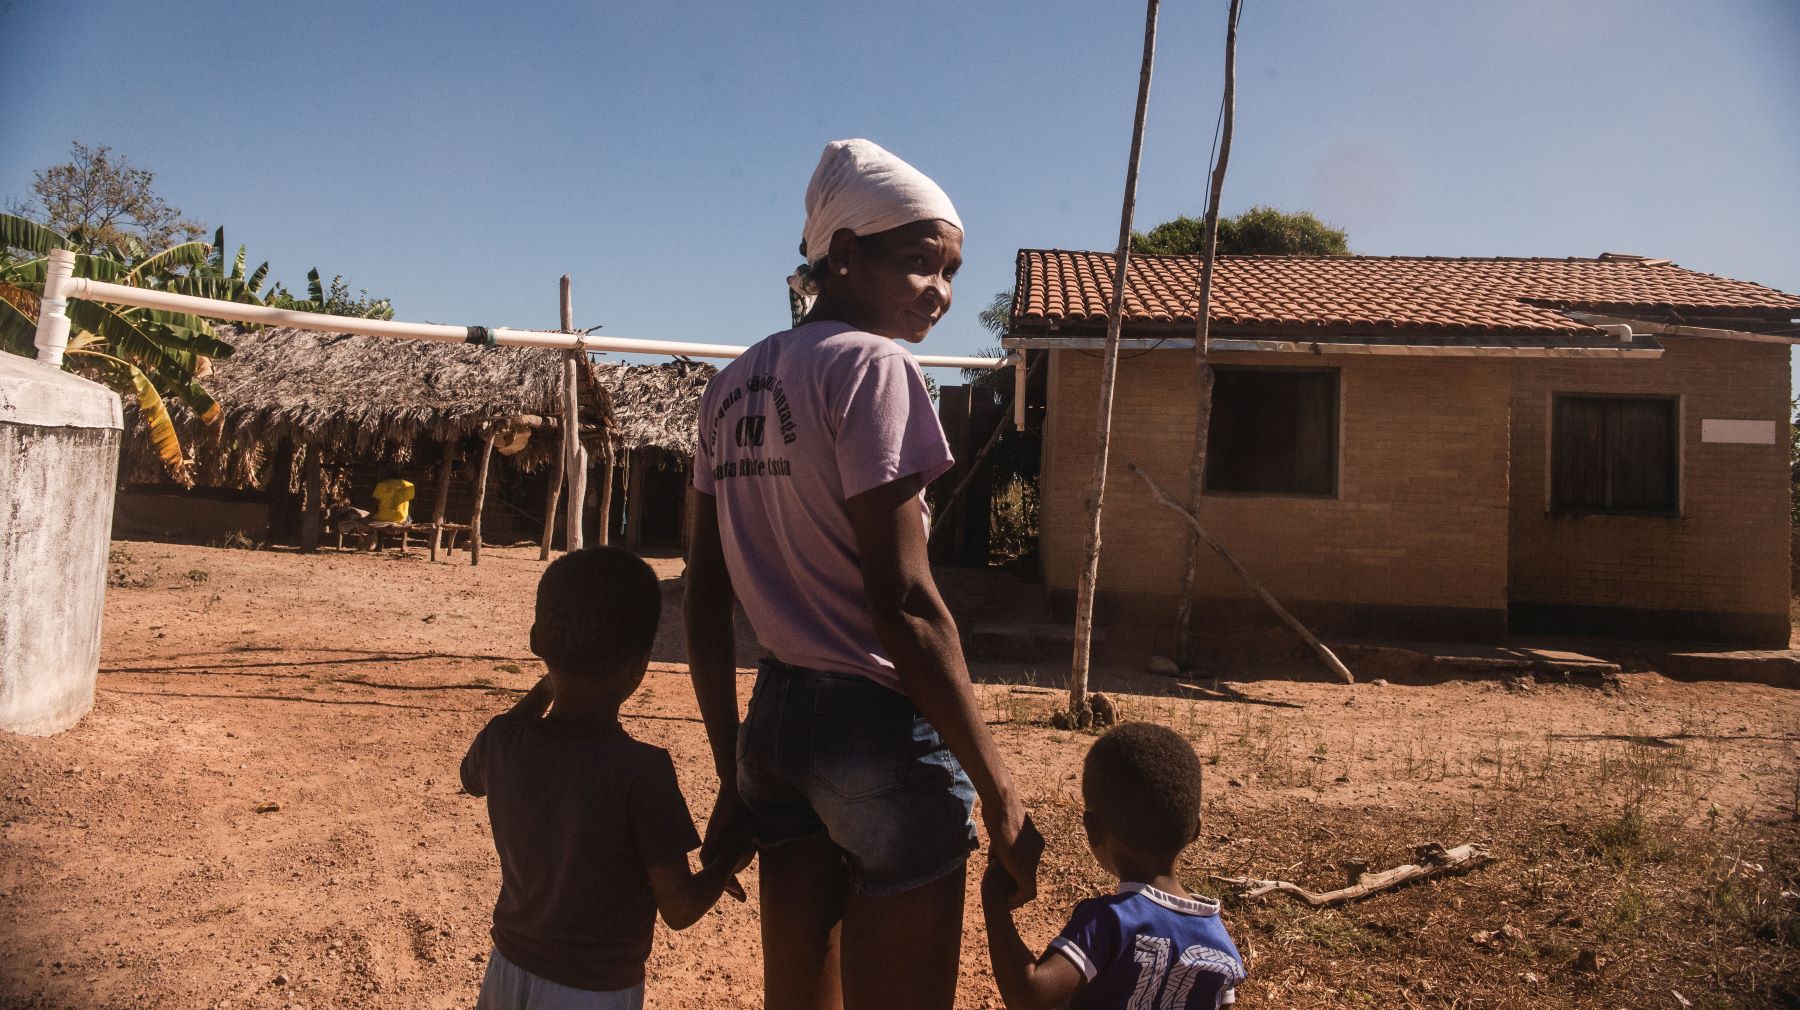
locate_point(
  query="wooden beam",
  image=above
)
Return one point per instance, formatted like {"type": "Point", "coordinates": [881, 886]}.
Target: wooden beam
{"type": "Point", "coordinates": [481, 477]}
{"type": "Point", "coordinates": [443, 495]}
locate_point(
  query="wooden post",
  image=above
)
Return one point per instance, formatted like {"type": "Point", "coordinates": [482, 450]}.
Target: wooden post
{"type": "Point", "coordinates": [573, 463]}
{"type": "Point", "coordinates": [281, 494]}
{"type": "Point", "coordinates": [634, 500]}
{"type": "Point", "coordinates": [1203, 373]}
{"type": "Point", "coordinates": [689, 501]}
{"type": "Point", "coordinates": [1109, 369]}
{"type": "Point", "coordinates": [555, 493]}
{"type": "Point", "coordinates": [312, 523]}
{"type": "Point", "coordinates": [443, 496]}
{"type": "Point", "coordinates": [1326, 656]}
{"type": "Point", "coordinates": [481, 475]}
{"type": "Point", "coordinates": [608, 458]}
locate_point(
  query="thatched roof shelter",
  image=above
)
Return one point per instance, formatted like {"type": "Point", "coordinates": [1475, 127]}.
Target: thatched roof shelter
{"type": "Point", "coordinates": [656, 406]}
{"type": "Point", "coordinates": [359, 395]}
{"type": "Point", "coordinates": [374, 397]}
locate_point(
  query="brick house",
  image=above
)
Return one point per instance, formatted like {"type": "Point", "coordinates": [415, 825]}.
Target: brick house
{"type": "Point", "coordinates": [1429, 447]}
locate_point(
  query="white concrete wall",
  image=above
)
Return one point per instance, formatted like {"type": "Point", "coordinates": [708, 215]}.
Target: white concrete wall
{"type": "Point", "coordinates": [59, 454]}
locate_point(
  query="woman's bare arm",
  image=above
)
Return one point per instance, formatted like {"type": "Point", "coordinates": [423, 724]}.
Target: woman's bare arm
{"type": "Point", "coordinates": [712, 663]}
{"type": "Point", "coordinates": [920, 637]}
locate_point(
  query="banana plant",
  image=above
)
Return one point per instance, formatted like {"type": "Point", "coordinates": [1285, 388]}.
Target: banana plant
{"type": "Point", "coordinates": [149, 355]}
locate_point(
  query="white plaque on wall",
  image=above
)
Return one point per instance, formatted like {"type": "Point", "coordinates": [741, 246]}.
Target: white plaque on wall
{"type": "Point", "coordinates": [1738, 432]}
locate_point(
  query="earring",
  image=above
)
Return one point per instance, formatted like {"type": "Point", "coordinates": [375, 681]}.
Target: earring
{"type": "Point", "coordinates": [844, 271]}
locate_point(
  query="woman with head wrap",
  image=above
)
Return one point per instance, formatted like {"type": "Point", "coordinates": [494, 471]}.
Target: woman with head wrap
{"type": "Point", "coordinates": [863, 750]}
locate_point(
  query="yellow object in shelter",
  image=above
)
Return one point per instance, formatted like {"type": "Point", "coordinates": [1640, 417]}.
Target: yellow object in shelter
{"type": "Point", "coordinates": [393, 498]}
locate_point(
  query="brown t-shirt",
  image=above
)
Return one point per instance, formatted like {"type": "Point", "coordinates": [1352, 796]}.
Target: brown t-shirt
{"type": "Point", "coordinates": [578, 811]}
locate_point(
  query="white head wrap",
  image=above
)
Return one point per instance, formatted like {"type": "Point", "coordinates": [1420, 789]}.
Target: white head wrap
{"type": "Point", "coordinates": [860, 186]}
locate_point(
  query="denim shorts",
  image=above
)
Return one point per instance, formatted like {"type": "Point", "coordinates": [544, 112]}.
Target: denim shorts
{"type": "Point", "coordinates": [839, 755]}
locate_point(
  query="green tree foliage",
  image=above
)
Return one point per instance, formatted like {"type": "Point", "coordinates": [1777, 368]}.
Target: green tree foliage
{"type": "Point", "coordinates": [104, 209]}
{"type": "Point", "coordinates": [103, 203]}
{"type": "Point", "coordinates": [1257, 231]}
{"type": "Point", "coordinates": [335, 300]}
{"type": "Point", "coordinates": [1794, 460]}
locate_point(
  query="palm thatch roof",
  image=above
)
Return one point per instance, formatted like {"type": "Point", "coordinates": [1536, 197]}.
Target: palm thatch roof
{"type": "Point", "coordinates": [358, 395]}
{"type": "Point", "coordinates": [374, 397]}
{"type": "Point", "coordinates": [656, 406]}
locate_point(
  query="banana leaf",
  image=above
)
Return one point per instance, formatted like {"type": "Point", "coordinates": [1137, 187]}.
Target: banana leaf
{"type": "Point", "coordinates": [18, 331]}
{"type": "Point", "coordinates": [21, 233]}
{"type": "Point", "coordinates": [185, 254]}
{"type": "Point", "coordinates": [97, 268]}
{"type": "Point", "coordinates": [127, 379]}
{"type": "Point", "coordinates": [126, 340]}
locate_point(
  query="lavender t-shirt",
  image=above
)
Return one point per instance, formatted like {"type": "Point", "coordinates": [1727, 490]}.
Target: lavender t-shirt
{"type": "Point", "coordinates": [805, 420]}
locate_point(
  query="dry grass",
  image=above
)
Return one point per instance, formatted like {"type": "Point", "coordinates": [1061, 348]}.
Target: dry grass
{"type": "Point", "coordinates": [1629, 890]}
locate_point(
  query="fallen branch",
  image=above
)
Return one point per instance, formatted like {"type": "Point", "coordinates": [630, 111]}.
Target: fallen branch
{"type": "Point", "coordinates": [1433, 861]}
{"type": "Point", "coordinates": [1326, 656]}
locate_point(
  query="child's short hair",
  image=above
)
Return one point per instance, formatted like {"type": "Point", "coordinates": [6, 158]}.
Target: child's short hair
{"type": "Point", "coordinates": [1142, 782]}
{"type": "Point", "coordinates": [595, 606]}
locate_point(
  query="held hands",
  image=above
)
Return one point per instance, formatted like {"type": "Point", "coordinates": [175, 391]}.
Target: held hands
{"type": "Point", "coordinates": [1014, 848]}
{"type": "Point", "coordinates": [729, 841]}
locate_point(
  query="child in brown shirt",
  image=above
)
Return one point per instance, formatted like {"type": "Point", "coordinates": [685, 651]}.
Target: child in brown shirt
{"type": "Point", "coordinates": [590, 825]}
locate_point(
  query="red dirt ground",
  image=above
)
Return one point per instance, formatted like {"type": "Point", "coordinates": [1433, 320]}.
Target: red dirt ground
{"type": "Point", "coordinates": [137, 870]}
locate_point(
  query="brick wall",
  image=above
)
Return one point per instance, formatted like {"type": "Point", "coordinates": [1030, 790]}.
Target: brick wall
{"type": "Point", "coordinates": [1721, 568]}
{"type": "Point", "coordinates": [1419, 522]}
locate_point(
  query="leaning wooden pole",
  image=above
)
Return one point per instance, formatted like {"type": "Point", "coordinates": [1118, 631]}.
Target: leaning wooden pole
{"type": "Point", "coordinates": [572, 454]}
{"type": "Point", "coordinates": [1109, 368]}
{"type": "Point", "coordinates": [481, 476]}
{"type": "Point", "coordinates": [1326, 656]}
{"type": "Point", "coordinates": [1203, 373]}
{"type": "Point", "coordinates": [554, 494]}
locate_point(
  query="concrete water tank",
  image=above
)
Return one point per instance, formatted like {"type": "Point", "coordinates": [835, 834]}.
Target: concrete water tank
{"type": "Point", "coordinates": [59, 457]}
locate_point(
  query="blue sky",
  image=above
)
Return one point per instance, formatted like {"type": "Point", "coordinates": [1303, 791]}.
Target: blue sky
{"type": "Point", "coordinates": [459, 157]}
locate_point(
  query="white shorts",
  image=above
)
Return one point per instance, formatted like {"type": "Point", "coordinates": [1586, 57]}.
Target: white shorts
{"type": "Point", "coordinates": [510, 987]}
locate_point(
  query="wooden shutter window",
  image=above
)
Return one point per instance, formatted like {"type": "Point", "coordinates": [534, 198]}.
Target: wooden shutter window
{"type": "Point", "coordinates": [1614, 454]}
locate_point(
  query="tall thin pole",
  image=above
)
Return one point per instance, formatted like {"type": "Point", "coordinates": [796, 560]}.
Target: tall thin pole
{"type": "Point", "coordinates": [574, 466]}
{"type": "Point", "coordinates": [1203, 373]}
{"type": "Point", "coordinates": [1109, 367]}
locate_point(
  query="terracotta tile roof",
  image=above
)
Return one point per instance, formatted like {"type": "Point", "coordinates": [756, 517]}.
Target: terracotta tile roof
{"type": "Point", "coordinates": [1370, 294]}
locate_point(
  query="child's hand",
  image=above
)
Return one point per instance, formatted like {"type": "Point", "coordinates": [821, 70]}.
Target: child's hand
{"type": "Point", "coordinates": [997, 885]}
{"type": "Point", "coordinates": [736, 858]}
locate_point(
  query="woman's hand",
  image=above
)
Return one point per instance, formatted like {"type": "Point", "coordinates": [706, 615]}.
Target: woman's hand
{"type": "Point", "coordinates": [1015, 846]}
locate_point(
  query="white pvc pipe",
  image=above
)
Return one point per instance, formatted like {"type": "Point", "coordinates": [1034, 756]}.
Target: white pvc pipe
{"type": "Point", "coordinates": [122, 294]}
{"type": "Point", "coordinates": [53, 316]}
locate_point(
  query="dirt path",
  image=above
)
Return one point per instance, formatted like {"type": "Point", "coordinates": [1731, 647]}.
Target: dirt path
{"type": "Point", "coordinates": [136, 868]}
